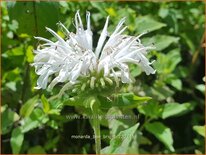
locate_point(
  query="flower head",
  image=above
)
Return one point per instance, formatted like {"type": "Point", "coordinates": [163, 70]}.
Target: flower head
{"type": "Point", "coordinates": [74, 58]}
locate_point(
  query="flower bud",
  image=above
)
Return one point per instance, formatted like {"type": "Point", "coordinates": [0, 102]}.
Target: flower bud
{"type": "Point", "coordinates": [92, 82]}
{"type": "Point", "coordinates": [83, 87]}
{"type": "Point", "coordinates": [108, 80]}
{"type": "Point", "coordinates": [102, 82]}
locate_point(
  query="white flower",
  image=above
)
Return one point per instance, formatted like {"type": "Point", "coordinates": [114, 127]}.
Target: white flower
{"type": "Point", "coordinates": [75, 57]}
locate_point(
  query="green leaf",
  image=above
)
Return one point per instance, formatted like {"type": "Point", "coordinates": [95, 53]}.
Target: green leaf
{"type": "Point", "coordinates": [8, 118]}
{"type": "Point", "coordinates": [175, 109]}
{"type": "Point", "coordinates": [174, 81]}
{"type": "Point", "coordinates": [147, 23]}
{"type": "Point", "coordinates": [163, 12]}
{"type": "Point", "coordinates": [14, 25]}
{"type": "Point", "coordinates": [120, 143]}
{"type": "Point", "coordinates": [161, 132]}
{"type": "Point", "coordinates": [11, 85]}
{"type": "Point", "coordinates": [177, 83]}
{"type": "Point", "coordinates": [14, 52]}
{"type": "Point", "coordinates": [16, 141]}
{"type": "Point", "coordinates": [46, 106]}
{"type": "Point", "coordinates": [30, 54]}
{"type": "Point", "coordinates": [37, 15]}
{"type": "Point", "coordinates": [29, 124]}
{"type": "Point", "coordinates": [125, 100]}
{"type": "Point", "coordinates": [75, 101]}
{"type": "Point", "coordinates": [144, 140]}
{"type": "Point", "coordinates": [28, 107]}
{"type": "Point", "coordinates": [161, 41]}
{"type": "Point", "coordinates": [53, 124]}
{"type": "Point", "coordinates": [36, 150]}
{"type": "Point", "coordinates": [166, 63]}
{"type": "Point", "coordinates": [52, 143]}
{"type": "Point", "coordinates": [111, 11]}
{"type": "Point", "coordinates": [200, 130]}
{"type": "Point", "coordinates": [189, 42]}
{"type": "Point", "coordinates": [174, 58]}
{"type": "Point", "coordinates": [119, 120]}
{"type": "Point", "coordinates": [135, 70]}
{"type": "Point", "coordinates": [201, 88]}
{"type": "Point", "coordinates": [160, 92]}
{"type": "Point", "coordinates": [36, 119]}
{"type": "Point", "coordinates": [12, 75]}
{"type": "Point", "coordinates": [152, 110]}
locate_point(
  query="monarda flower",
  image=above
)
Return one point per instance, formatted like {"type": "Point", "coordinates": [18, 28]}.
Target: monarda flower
{"type": "Point", "coordinates": [74, 61]}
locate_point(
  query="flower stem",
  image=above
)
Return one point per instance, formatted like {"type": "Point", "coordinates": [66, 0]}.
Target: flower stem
{"type": "Point", "coordinates": [96, 126]}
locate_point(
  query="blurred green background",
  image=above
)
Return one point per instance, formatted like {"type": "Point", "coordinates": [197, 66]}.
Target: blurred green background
{"type": "Point", "coordinates": [176, 29]}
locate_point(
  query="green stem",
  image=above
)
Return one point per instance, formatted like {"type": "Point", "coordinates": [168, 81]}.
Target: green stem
{"type": "Point", "coordinates": [96, 126]}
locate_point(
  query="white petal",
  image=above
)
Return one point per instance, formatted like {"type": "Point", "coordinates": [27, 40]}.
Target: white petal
{"type": "Point", "coordinates": [102, 38]}
{"type": "Point", "coordinates": [148, 69]}
{"type": "Point", "coordinates": [78, 22]}
{"type": "Point", "coordinates": [88, 21]}
{"type": "Point", "coordinates": [44, 39]}
{"type": "Point", "coordinates": [64, 28]}
{"type": "Point", "coordinates": [76, 71]}
{"type": "Point", "coordinates": [57, 36]}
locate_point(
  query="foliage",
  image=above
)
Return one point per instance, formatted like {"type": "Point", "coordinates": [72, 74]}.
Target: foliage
{"type": "Point", "coordinates": [161, 109]}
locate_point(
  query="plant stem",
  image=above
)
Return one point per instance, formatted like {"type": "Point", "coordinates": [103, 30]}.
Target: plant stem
{"type": "Point", "coordinates": [96, 127]}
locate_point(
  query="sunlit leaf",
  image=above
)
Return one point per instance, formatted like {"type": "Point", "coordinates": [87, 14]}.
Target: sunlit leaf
{"type": "Point", "coordinates": [125, 100]}
{"type": "Point", "coordinates": [201, 88]}
{"type": "Point", "coordinates": [30, 54]}
{"type": "Point", "coordinates": [161, 132]}
{"type": "Point", "coordinates": [11, 85]}
{"type": "Point", "coordinates": [120, 143]}
{"type": "Point", "coordinates": [175, 109]}
{"type": "Point", "coordinates": [36, 119]}
{"type": "Point", "coordinates": [200, 130]}
{"type": "Point", "coordinates": [46, 106]}
{"type": "Point", "coordinates": [119, 120]}
{"type": "Point", "coordinates": [146, 23]}
{"type": "Point", "coordinates": [28, 107]}
{"type": "Point", "coordinates": [17, 138]}
{"type": "Point", "coordinates": [160, 41]}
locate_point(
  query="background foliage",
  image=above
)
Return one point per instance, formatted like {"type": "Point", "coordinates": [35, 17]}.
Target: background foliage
{"type": "Point", "coordinates": [173, 121]}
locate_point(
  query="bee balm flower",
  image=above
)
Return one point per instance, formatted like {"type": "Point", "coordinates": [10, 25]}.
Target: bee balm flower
{"type": "Point", "coordinates": [72, 59]}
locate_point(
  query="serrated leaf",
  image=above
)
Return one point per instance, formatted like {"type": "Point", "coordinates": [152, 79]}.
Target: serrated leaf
{"type": "Point", "coordinates": [17, 138]}
{"type": "Point", "coordinates": [161, 132]}
{"type": "Point", "coordinates": [174, 109]}
{"type": "Point", "coordinates": [147, 23]}
{"type": "Point", "coordinates": [120, 143]}
{"type": "Point", "coordinates": [28, 107]}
